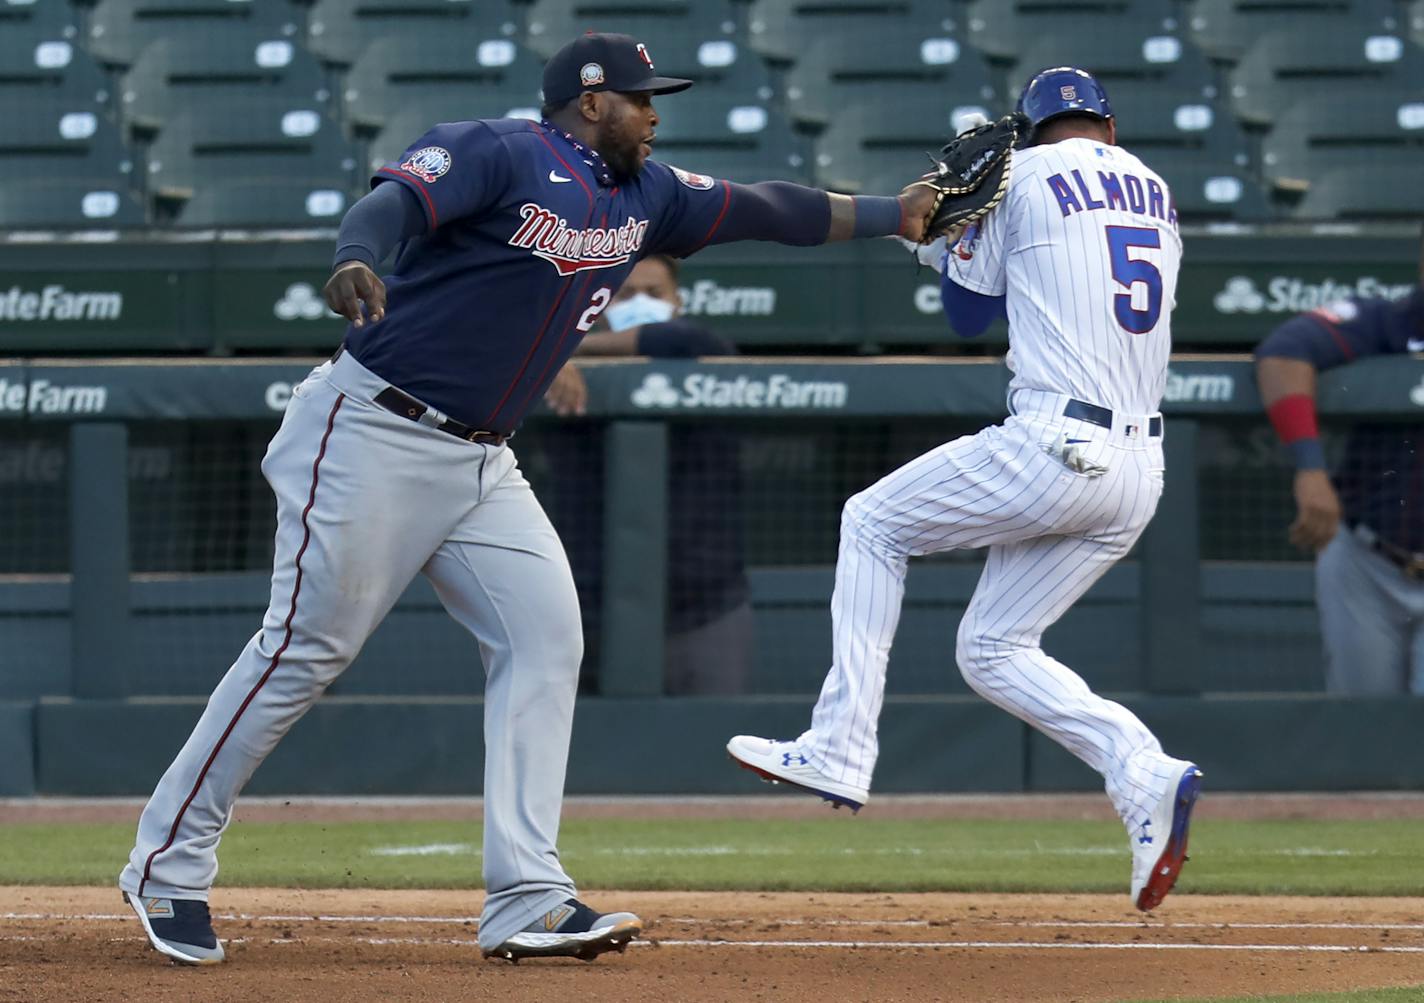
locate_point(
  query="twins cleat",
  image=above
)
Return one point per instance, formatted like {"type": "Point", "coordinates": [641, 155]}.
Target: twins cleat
{"type": "Point", "coordinates": [784, 763]}
{"type": "Point", "coordinates": [571, 930]}
{"type": "Point", "coordinates": [1159, 843]}
{"type": "Point", "coordinates": [180, 928]}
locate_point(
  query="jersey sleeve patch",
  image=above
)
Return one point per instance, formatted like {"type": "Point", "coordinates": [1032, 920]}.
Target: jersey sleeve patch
{"type": "Point", "coordinates": [428, 164]}
{"type": "Point", "coordinates": [697, 182]}
{"type": "Point", "coordinates": [1338, 312]}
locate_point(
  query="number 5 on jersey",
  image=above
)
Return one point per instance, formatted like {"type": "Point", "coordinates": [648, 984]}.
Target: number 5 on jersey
{"type": "Point", "coordinates": [1129, 272]}
{"type": "Point", "coordinates": [595, 307]}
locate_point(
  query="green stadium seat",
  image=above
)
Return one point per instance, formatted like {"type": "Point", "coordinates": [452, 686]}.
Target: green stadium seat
{"type": "Point", "coordinates": [120, 29]}
{"type": "Point", "coordinates": [41, 64]}
{"type": "Point", "coordinates": [485, 72]}
{"type": "Point", "coordinates": [876, 145]}
{"type": "Point", "coordinates": [1163, 122]}
{"type": "Point", "coordinates": [781, 29]}
{"type": "Point", "coordinates": [264, 203]}
{"type": "Point", "coordinates": [58, 138]}
{"type": "Point", "coordinates": [38, 18]}
{"type": "Point", "coordinates": [703, 130]}
{"type": "Point", "coordinates": [235, 139]}
{"type": "Point", "coordinates": [1283, 67]}
{"type": "Point", "coordinates": [1124, 56]}
{"type": "Point", "coordinates": [1224, 29]}
{"type": "Point", "coordinates": [839, 70]}
{"type": "Point", "coordinates": [1377, 192]}
{"type": "Point", "coordinates": [1002, 29]}
{"type": "Point", "coordinates": [1416, 22]}
{"type": "Point", "coordinates": [338, 31]}
{"type": "Point", "coordinates": [173, 75]}
{"type": "Point", "coordinates": [64, 204]}
{"type": "Point", "coordinates": [672, 29]}
{"type": "Point", "coordinates": [1319, 135]}
{"type": "Point", "coordinates": [1211, 193]}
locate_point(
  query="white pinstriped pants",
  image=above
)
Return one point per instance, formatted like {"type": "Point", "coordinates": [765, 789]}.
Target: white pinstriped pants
{"type": "Point", "coordinates": [1051, 534]}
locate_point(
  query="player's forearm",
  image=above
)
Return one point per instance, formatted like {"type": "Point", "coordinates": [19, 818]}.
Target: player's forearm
{"type": "Point", "coordinates": [378, 222]}
{"type": "Point", "coordinates": [794, 214]}
{"type": "Point", "coordinates": [1287, 389]}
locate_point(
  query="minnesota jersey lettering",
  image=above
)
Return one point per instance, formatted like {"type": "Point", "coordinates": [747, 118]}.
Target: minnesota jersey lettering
{"type": "Point", "coordinates": [573, 250]}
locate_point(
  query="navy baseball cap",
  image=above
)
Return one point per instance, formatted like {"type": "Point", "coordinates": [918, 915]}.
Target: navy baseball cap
{"type": "Point", "coordinates": [604, 62]}
{"type": "Point", "coordinates": [1063, 90]}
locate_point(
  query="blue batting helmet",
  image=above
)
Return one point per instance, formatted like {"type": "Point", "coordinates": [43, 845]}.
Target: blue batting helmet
{"type": "Point", "coordinates": [1063, 90]}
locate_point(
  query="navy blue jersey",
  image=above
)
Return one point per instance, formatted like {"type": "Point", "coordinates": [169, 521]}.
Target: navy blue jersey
{"type": "Point", "coordinates": [1381, 476]}
{"type": "Point", "coordinates": [528, 238]}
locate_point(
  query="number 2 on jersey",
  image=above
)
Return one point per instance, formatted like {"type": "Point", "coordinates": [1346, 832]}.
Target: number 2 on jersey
{"type": "Point", "coordinates": [595, 307]}
{"type": "Point", "coordinates": [1129, 271]}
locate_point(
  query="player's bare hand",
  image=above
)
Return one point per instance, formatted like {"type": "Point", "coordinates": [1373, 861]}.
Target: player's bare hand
{"type": "Point", "coordinates": [568, 394]}
{"type": "Point", "coordinates": [1317, 511]}
{"type": "Point", "coordinates": [351, 285]}
{"type": "Point", "coordinates": [916, 203]}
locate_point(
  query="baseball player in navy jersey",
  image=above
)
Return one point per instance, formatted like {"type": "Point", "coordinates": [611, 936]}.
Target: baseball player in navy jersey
{"type": "Point", "coordinates": [1368, 536]}
{"type": "Point", "coordinates": [393, 460]}
{"type": "Point", "coordinates": [1082, 256]}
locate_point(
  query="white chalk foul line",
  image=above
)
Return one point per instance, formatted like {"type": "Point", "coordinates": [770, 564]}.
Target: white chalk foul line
{"type": "Point", "coordinates": [840, 945]}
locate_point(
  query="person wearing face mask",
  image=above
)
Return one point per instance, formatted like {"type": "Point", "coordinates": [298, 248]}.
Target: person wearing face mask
{"type": "Point", "coordinates": [709, 616]}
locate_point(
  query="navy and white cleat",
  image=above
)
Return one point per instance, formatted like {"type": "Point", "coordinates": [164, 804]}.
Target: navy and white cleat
{"type": "Point", "coordinates": [180, 928]}
{"type": "Point", "coordinates": [783, 763]}
{"type": "Point", "coordinates": [571, 930]}
{"type": "Point", "coordinates": [1159, 843]}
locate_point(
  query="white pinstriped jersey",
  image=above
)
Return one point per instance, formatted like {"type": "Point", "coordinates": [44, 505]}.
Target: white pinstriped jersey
{"type": "Point", "coordinates": [1085, 247]}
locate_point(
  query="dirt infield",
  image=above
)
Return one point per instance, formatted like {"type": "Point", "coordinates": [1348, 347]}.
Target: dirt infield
{"type": "Point", "coordinates": [355, 946]}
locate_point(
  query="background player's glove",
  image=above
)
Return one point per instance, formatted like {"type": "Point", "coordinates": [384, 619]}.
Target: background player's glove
{"type": "Point", "coordinates": [971, 176]}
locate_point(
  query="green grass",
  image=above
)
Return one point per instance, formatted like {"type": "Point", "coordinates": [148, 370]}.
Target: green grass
{"type": "Point", "coordinates": [838, 853]}
{"type": "Point", "coordinates": [1410, 994]}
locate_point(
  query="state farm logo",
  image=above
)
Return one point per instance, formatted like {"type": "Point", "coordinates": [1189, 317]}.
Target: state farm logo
{"type": "Point", "coordinates": [706, 298]}
{"type": "Point", "coordinates": [44, 397]}
{"type": "Point", "coordinates": [1183, 388]}
{"type": "Point", "coordinates": [301, 302]}
{"type": "Point", "coordinates": [56, 303]}
{"type": "Point", "coordinates": [707, 390]}
{"type": "Point", "coordinates": [549, 236]}
{"type": "Point", "coordinates": [1288, 294]}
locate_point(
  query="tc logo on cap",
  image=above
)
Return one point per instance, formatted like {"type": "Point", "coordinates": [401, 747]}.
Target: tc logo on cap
{"type": "Point", "coordinates": [643, 51]}
{"type": "Point", "coordinates": [591, 75]}
{"type": "Point", "coordinates": [1068, 93]}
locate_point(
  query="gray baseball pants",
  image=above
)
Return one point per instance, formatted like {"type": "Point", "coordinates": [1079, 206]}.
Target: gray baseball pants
{"type": "Point", "coordinates": [366, 500]}
{"type": "Point", "coordinates": [1371, 620]}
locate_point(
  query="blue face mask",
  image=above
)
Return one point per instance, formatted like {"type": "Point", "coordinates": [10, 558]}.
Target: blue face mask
{"type": "Point", "coordinates": [635, 311]}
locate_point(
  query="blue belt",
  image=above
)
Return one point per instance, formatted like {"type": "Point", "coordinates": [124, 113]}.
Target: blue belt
{"type": "Point", "coordinates": [1103, 417]}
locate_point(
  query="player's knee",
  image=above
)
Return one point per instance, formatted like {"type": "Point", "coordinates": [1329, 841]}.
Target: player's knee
{"type": "Point", "coordinates": [858, 522]}
{"type": "Point", "coordinates": [974, 651]}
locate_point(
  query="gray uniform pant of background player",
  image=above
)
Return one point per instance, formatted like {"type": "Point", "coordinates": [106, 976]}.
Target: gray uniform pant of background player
{"type": "Point", "coordinates": [1371, 620]}
{"type": "Point", "coordinates": [366, 500]}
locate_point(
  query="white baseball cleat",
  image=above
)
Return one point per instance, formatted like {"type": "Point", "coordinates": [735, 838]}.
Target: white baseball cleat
{"type": "Point", "coordinates": [784, 763]}
{"type": "Point", "coordinates": [1159, 842]}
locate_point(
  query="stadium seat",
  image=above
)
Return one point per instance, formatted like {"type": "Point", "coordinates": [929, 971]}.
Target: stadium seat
{"type": "Point", "coordinates": [1416, 22]}
{"type": "Point", "coordinates": [119, 29]}
{"type": "Point", "coordinates": [1002, 29]}
{"type": "Point", "coordinates": [1283, 67]}
{"type": "Point", "coordinates": [1163, 123]}
{"type": "Point", "coordinates": [1224, 29]}
{"type": "Point", "coordinates": [781, 29]}
{"type": "Point", "coordinates": [712, 132]}
{"type": "Point", "coordinates": [482, 71]}
{"type": "Point", "coordinates": [338, 31]}
{"type": "Point", "coordinates": [837, 70]}
{"type": "Point", "coordinates": [1210, 193]}
{"type": "Point", "coordinates": [34, 18]}
{"type": "Point", "coordinates": [1319, 135]}
{"type": "Point", "coordinates": [62, 139]}
{"type": "Point", "coordinates": [875, 145]}
{"type": "Point", "coordinates": [40, 64]}
{"type": "Point", "coordinates": [175, 74]}
{"type": "Point", "coordinates": [59, 204]}
{"type": "Point", "coordinates": [1370, 192]}
{"type": "Point", "coordinates": [239, 139]}
{"type": "Point", "coordinates": [1126, 56]}
{"type": "Point", "coordinates": [265, 203]}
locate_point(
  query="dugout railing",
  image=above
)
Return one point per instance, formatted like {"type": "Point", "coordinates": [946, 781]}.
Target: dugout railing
{"type": "Point", "coordinates": [122, 599]}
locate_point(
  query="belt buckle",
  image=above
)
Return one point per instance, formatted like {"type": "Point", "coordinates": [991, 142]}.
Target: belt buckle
{"type": "Point", "coordinates": [472, 434]}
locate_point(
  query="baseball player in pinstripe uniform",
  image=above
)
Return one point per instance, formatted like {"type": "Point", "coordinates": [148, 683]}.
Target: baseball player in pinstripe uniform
{"type": "Point", "coordinates": [1082, 257]}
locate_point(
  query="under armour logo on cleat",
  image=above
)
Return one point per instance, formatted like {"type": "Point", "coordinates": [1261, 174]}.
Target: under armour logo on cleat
{"type": "Point", "coordinates": [787, 757]}
{"type": "Point", "coordinates": [1145, 837]}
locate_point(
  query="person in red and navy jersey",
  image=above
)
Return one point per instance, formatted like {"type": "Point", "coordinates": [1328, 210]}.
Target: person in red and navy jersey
{"type": "Point", "coordinates": [1365, 524]}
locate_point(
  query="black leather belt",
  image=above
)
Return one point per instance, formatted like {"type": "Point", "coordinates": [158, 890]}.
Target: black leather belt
{"type": "Point", "coordinates": [1410, 563]}
{"type": "Point", "coordinates": [408, 407]}
{"type": "Point", "coordinates": [1103, 417]}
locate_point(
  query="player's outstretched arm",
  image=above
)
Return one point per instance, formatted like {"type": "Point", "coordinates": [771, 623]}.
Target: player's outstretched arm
{"type": "Point", "coordinates": [369, 231]}
{"type": "Point", "coordinates": [352, 284]}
